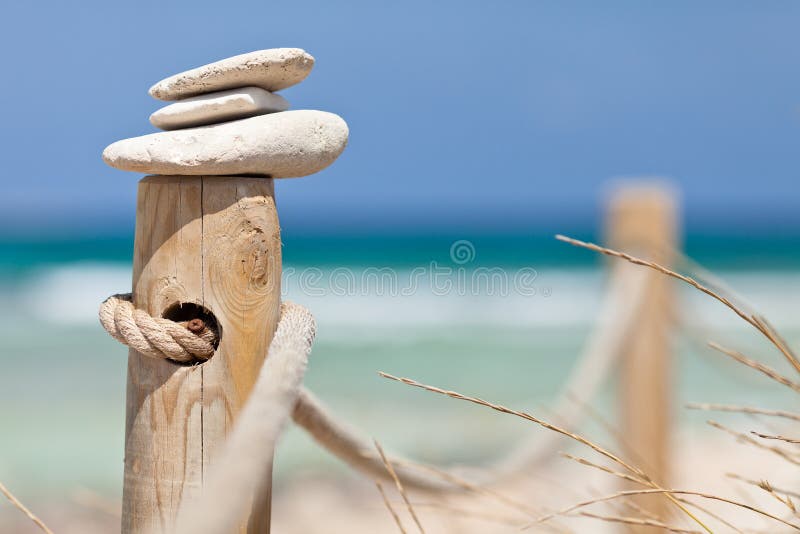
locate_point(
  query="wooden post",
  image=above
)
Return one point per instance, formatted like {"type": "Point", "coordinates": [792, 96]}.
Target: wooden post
{"type": "Point", "coordinates": [642, 220]}
{"type": "Point", "coordinates": [212, 242]}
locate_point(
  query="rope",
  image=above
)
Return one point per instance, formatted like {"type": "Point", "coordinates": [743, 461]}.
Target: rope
{"type": "Point", "coordinates": [183, 342]}
{"type": "Point", "coordinates": [357, 451]}
{"type": "Point", "coordinates": [246, 458]}
{"type": "Point", "coordinates": [625, 296]}
{"type": "Point", "coordinates": [627, 292]}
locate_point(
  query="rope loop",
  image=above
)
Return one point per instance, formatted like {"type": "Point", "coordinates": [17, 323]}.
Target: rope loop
{"type": "Point", "coordinates": [156, 337]}
{"type": "Point", "coordinates": [288, 353]}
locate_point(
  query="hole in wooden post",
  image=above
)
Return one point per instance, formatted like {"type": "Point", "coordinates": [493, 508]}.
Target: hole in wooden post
{"type": "Point", "coordinates": [198, 319]}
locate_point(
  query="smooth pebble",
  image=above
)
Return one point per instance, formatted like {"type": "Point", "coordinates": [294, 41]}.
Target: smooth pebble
{"type": "Point", "coordinates": [272, 70]}
{"type": "Point", "coordinates": [282, 145]}
{"type": "Point", "coordinates": [218, 107]}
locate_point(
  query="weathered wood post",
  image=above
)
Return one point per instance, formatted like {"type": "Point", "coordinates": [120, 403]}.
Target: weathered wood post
{"type": "Point", "coordinates": [642, 220]}
{"type": "Point", "coordinates": [212, 243]}
{"type": "Point", "coordinates": [208, 246]}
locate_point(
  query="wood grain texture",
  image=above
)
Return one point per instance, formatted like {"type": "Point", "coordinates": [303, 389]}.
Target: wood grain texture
{"type": "Point", "coordinates": [212, 241]}
{"type": "Point", "coordinates": [642, 220]}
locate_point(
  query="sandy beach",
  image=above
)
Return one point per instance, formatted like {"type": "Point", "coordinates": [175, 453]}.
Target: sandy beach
{"type": "Point", "coordinates": [311, 504]}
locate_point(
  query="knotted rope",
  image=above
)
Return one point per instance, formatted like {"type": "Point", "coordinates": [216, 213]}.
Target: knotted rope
{"type": "Point", "coordinates": [626, 294]}
{"type": "Point", "coordinates": [245, 460]}
{"type": "Point", "coordinates": [156, 337]}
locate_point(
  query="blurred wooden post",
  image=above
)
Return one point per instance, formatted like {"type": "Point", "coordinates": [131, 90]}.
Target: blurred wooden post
{"type": "Point", "coordinates": [642, 220]}
{"type": "Point", "coordinates": [212, 242]}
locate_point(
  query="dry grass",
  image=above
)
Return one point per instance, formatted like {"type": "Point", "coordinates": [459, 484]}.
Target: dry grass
{"type": "Point", "coordinates": [636, 472]}
{"type": "Point", "coordinates": [390, 508]}
{"type": "Point", "coordinates": [524, 415]}
{"type": "Point", "coordinates": [630, 493]}
{"type": "Point", "coordinates": [752, 410]}
{"type": "Point", "coordinates": [645, 513]}
{"type": "Point", "coordinates": [763, 326]}
{"type": "Point", "coordinates": [618, 474]}
{"type": "Point", "coordinates": [759, 483]}
{"type": "Point", "coordinates": [758, 366]}
{"type": "Point", "coordinates": [745, 438]}
{"type": "Point", "coordinates": [24, 509]}
{"type": "Point", "coordinates": [785, 500]}
{"type": "Point", "coordinates": [619, 466]}
{"type": "Point", "coordinates": [478, 489]}
{"type": "Point", "coordinates": [632, 473]}
{"type": "Point", "coordinates": [484, 491]}
{"type": "Point", "coordinates": [459, 511]}
{"type": "Point", "coordinates": [756, 321]}
{"type": "Point", "coordinates": [615, 433]}
{"type": "Point", "coordinates": [779, 438]}
{"type": "Point", "coordinates": [399, 486]}
{"type": "Point", "coordinates": [640, 521]}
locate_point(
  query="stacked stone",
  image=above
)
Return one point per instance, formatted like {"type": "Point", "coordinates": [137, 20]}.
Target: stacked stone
{"type": "Point", "coordinates": [228, 120]}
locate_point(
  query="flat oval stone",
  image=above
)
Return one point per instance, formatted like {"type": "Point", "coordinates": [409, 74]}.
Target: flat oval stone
{"type": "Point", "coordinates": [281, 145]}
{"type": "Point", "coordinates": [272, 70]}
{"type": "Point", "coordinates": [218, 107]}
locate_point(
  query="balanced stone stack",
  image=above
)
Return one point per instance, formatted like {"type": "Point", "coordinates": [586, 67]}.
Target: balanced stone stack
{"type": "Point", "coordinates": [227, 119]}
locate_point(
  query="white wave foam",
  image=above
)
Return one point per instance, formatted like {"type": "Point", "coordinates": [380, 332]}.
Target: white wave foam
{"type": "Point", "coordinates": [560, 299]}
{"type": "Point", "coordinates": [70, 294]}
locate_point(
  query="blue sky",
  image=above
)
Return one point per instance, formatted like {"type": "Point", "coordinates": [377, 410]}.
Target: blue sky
{"type": "Point", "coordinates": [484, 114]}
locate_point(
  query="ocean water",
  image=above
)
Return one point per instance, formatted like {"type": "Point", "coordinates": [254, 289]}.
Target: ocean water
{"type": "Point", "coordinates": [501, 317]}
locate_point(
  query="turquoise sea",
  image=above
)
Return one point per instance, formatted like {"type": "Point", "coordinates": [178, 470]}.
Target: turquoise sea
{"type": "Point", "coordinates": [62, 379]}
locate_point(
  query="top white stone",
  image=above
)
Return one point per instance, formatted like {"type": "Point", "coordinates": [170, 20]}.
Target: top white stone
{"type": "Point", "coordinates": [273, 69]}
